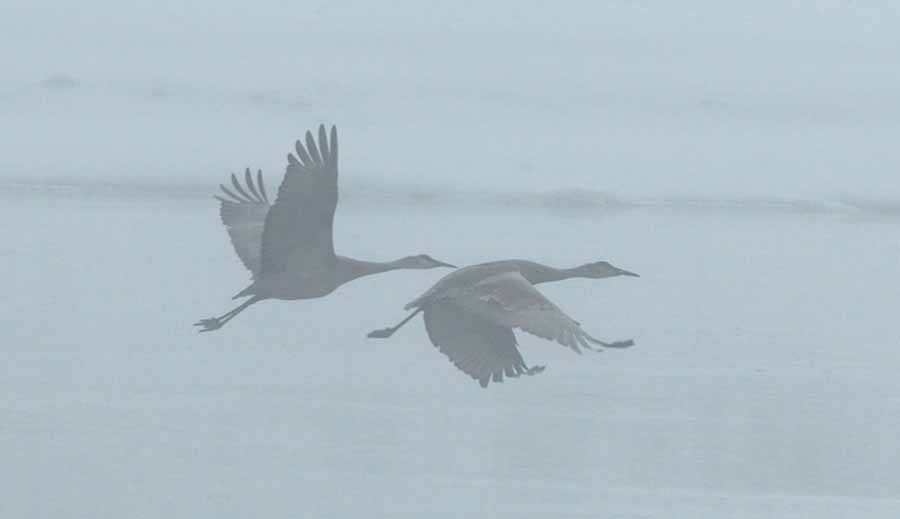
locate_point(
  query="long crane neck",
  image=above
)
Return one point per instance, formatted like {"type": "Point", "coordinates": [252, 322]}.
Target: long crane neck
{"type": "Point", "coordinates": [536, 273]}
{"type": "Point", "coordinates": [349, 269]}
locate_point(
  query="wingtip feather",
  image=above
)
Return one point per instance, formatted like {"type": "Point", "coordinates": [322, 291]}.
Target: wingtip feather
{"type": "Point", "coordinates": [301, 153]}
{"type": "Point", "coordinates": [248, 179]}
{"type": "Point", "coordinates": [262, 186]}
{"type": "Point", "coordinates": [323, 144]}
{"type": "Point", "coordinates": [334, 145]}
{"type": "Point", "coordinates": [312, 148]}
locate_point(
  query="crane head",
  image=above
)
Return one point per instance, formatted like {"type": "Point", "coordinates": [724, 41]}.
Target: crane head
{"type": "Point", "coordinates": [424, 261]}
{"type": "Point", "coordinates": [602, 269]}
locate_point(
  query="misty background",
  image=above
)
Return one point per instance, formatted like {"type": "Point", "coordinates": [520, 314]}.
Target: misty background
{"type": "Point", "coordinates": [770, 98]}
{"type": "Point", "coordinates": [742, 157]}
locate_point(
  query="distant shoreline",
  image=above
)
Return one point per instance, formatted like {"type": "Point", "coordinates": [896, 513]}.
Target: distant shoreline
{"type": "Point", "coordinates": [561, 200]}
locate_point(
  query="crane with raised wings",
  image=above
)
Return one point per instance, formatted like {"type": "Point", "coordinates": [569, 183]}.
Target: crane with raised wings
{"type": "Point", "coordinates": [288, 246]}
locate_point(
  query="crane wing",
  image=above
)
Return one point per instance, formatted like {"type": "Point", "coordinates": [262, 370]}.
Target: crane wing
{"type": "Point", "coordinates": [298, 227]}
{"type": "Point", "coordinates": [478, 347]}
{"type": "Point", "coordinates": [508, 299]}
{"type": "Point", "coordinates": [243, 211]}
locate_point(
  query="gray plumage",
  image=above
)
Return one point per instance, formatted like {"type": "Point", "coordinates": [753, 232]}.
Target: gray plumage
{"type": "Point", "coordinates": [288, 246]}
{"type": "Point", "coordinates": [470, 315]}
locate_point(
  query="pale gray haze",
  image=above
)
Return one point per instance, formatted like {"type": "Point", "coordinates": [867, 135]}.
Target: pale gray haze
{"type": "Point", "coordinates": [742, 157]}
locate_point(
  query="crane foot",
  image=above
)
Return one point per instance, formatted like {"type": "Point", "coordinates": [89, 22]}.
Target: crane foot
{"type": "Point", "coordinates": [208, 325]}
{"type": "Point", "coordinates": [383, 333]}
{"type": "Point", "coordinates": [534, 370]}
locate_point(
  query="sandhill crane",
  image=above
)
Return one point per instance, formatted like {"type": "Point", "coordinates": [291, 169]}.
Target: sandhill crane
{"type": "Point", "coordinates": [288, 246]}
{"type": "Point", "coordinates": [470, 315]}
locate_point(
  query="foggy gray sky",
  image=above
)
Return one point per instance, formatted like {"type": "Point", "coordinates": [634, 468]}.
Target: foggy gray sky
{"type": "Point", "coordinates": [763, 380]}
{"type": "Point", "coordinates": [774, 98]}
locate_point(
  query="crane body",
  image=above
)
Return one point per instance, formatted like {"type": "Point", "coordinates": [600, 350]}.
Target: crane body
{"type": "Point", "coordinates": [470, 315]}
{"type": "Point", "coordinates": [288, 246]}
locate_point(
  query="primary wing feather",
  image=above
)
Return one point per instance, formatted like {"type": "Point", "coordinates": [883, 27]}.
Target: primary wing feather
{"type": "Point", "coordinates": [244, 217]}
{"type": "Point", "coordinates": [298, 227]}
{"type": "Point", "coordinates": [509, 299]}
{"type": "Point", "coordinates": [478, 347]}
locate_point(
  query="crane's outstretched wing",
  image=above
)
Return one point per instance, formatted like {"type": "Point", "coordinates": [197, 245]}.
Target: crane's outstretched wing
{"type": "Point", "coordinates": [478, 347]}
{"type": "Point", "coordinates": [298, 228]}
{"type": "Point", "coordinates": [508, 299]}
{"type": "Point", "coordinates": [243, 212]}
